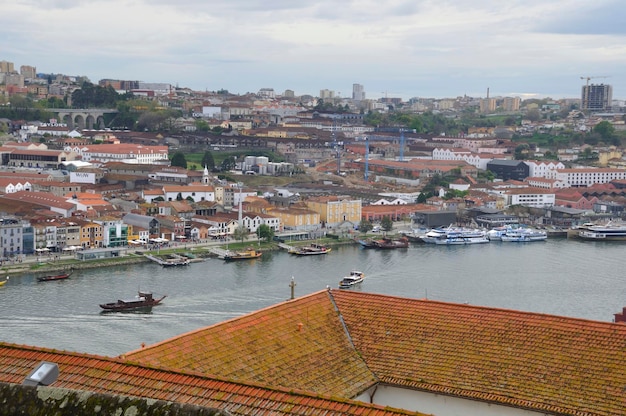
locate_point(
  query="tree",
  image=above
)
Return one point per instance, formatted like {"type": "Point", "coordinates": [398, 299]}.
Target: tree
{"type": "Point", "coordinates": [386, 223]}
{"type": "Point", "coordinates": [605, 130]}
{"type": "Point", "coordinates": [421, 198]}
{"type": "Point", "coordinates": [228, 163]}
{"type": "Point", "coordinates": [365, 226]}
{"type": "Point", "coordinates": [179, 197]}
{"type": "Point", "coordinates": [178, 159]}
{"type": "Point", "coordinates": [207, 160]}
{"type": "Point", "coordinates": [265, 232]}
{"type": "Point", "coordinates": [240, 233]}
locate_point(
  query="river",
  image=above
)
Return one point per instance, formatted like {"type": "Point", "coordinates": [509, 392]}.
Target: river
{"type": "Point", "coordinates": [558, 276]}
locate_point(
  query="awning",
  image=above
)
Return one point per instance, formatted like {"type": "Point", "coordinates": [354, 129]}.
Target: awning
{"type": "Point", "coordinates": [42, 249]}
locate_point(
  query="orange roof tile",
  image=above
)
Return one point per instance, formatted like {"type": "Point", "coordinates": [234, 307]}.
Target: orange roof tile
{"type": "Point", "coordinates": [293, 344]}
{"type": "Point", "coordinates": [533, 361]}
{"type": "Point", "coordinates": [118, 377]}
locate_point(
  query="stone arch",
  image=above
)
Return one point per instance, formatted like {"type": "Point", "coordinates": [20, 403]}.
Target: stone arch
{"type": "Point", "coordinates": [90, 121]}
{"type": "Point", "coordinates": [79, 121]}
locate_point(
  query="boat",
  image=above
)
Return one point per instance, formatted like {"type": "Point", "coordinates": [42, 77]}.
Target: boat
{"type": "Point", "coordinates": [53, 277]}
{"type": "Point", "coordinates": [611, 231]}
{"type": "Point", "coordinates": [524, 235]}
{"type": "Point", "coordinates": [143, 300]}
{"type": "Point", "coordinates": [247, 254]}
{"type": "Point", "coordinates": [384, 243]}
{"type": "Point", "coordinates": [389, 243]}
{"type": "Point", "coordinates": [463, 238]}
{"type": "Point", "coordinates": [355, 277]}
{"type": "Point", "coordinates": [2, 283]}
{"type": "Point", "coordinates": [455, 236]}
{"type": "Point", "coordinates": [310, 250]}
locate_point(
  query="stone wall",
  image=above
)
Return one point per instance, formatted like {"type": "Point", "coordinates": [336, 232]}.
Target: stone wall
{"type": "Point", "coordinates": [20, 400]}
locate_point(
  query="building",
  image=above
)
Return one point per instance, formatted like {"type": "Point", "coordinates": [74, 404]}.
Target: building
{"type": "Point", "coordinates": [124, 152]}
{"type": "Point", "coordinates": [585, 177]}
{"type": "Point", "coordinates": [509, 169]}
{"type": "Point", "coordinates": [335, 210]}
{"type": "Point", "coordinates": [358, 92]}
{"type": "Point", "coordinates": [596, 97]}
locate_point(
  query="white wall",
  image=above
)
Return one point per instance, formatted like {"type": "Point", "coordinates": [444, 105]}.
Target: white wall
{"type": "Point", "coordinates": [439, 404]}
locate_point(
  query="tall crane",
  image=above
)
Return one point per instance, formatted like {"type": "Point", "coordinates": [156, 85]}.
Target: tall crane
{"type": "Point", "coordinates": [588, 78]}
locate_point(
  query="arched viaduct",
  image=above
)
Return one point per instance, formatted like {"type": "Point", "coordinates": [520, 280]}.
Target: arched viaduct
{"type": "Point", "coordinates": [82, 118]}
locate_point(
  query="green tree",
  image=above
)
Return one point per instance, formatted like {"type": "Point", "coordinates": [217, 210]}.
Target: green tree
{"type": "Point", "coordinates": [207, 160]}
{"type": "Point", "coordinates": [605, 130]}
{"type": "Point", "coordinates": [179, 197]}
{"type": "Point", "coordinates": [386, 224]}
{"type": "Point", "coordinates": [240, 233]}
{"type": "Point", "coordinates": [365, 226]}
{"type": "Point", "coordinates": [228, 163]}
{"type": "Point", "coordinates": [265, 232]}
{"type": "Point", "coordinates": [421, 198]}
{"type": "Point", "coordinates": [178, 159]}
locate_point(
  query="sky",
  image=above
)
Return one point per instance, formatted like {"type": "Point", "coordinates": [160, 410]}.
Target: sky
{"type": "Point", "coordinates": [394, 48]}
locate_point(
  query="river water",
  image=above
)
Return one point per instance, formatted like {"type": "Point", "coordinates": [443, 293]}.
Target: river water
{"type": "Point", "coordinates": [560, 277]}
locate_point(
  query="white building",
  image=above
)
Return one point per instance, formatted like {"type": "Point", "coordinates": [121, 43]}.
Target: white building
{"type": "Point", "coordinates": [584, 177]}
{"type": "Point", "coordinates": [123, 152]}
{"type": "Point", "coordinates": [530, 197]}
{"type": "Point", "coordinates": [542, 168]}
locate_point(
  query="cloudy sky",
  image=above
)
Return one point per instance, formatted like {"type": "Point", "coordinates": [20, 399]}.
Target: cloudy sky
{"type": "Point", "coordinates": [405, 48]}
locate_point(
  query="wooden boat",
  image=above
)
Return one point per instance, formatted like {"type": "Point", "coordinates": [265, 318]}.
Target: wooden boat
{"type": "Point", "coordinates": [143, 300]}
{"type": "Point", "coordinates": [247, 254]}
{"type": "Point", "coordinates": [385, 243]}
{"type": "Point", "coordinates": [50, 278]}
{"type": "Point", "coordinates": [310, 250]}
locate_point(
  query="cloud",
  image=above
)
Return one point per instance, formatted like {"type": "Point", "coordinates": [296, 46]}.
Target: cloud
{"type": "Point", "coordinates": [429, 47]}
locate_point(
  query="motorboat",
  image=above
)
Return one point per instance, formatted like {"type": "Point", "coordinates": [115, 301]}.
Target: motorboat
{"type": "Point", "coordinates": [143, 300]}
{"type": "Point", "coordinates": [355, 277]}
{"type": "Point", "coordinates": [524, 235]}
{"type": "Point", "coordinates": [612, 231]}
{"type": "Point", "coordinates": [463, 238]}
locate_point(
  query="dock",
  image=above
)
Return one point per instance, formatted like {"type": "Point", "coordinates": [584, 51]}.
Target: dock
{"type": "Point", "coordinates": [219, 252]}
{"type": "Point", "coordinates": [174, 261]}
{"type": "Point", "coordinates": [286, 247]}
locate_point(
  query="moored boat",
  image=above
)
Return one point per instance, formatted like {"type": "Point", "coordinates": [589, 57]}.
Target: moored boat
{"type": "Point", "coordinates": [247, 254]}
{"type": "Point", "coordinates": [524, 235]}
{"type": "Point", "coordinates": [310, 250]}
{"type": "Point", "coordinates": [461, 238]}
{"type": "Point", "coordinates": [143, 300]}
{"type": "Point", "coordinates": [609, 232]}
{"type": "Point", "coordinates": [355, 277]}
{"type": "Point", "coordinates": [53, 277]}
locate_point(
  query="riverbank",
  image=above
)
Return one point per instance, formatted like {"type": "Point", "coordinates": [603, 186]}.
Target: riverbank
{"type": "Point", "coordinates": [57, 263]}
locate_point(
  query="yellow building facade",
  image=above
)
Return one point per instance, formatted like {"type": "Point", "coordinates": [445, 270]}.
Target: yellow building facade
{"type": "Point", "coordinates": [335, 210]}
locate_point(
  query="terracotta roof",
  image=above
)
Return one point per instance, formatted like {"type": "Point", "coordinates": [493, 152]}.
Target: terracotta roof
{"type": "Point", "coordinates": [296, 344]}
{"type": "Point", "coordinates": [547, 363]}
{"type": "Point", "coordinates": [117, 377]}
{"type": "Point", "coordinates": [533, 361]}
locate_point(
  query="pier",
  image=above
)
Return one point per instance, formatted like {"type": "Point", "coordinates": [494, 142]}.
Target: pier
{"type": "Point", "coordinates": [176, 260]}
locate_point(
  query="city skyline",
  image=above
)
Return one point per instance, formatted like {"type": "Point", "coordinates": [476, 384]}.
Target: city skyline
{"type": "Point", "coordinates": [530, 49]}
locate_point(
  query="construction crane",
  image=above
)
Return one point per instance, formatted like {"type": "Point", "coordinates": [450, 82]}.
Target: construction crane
{"type": "Point", "coordinates": [593, 77]}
